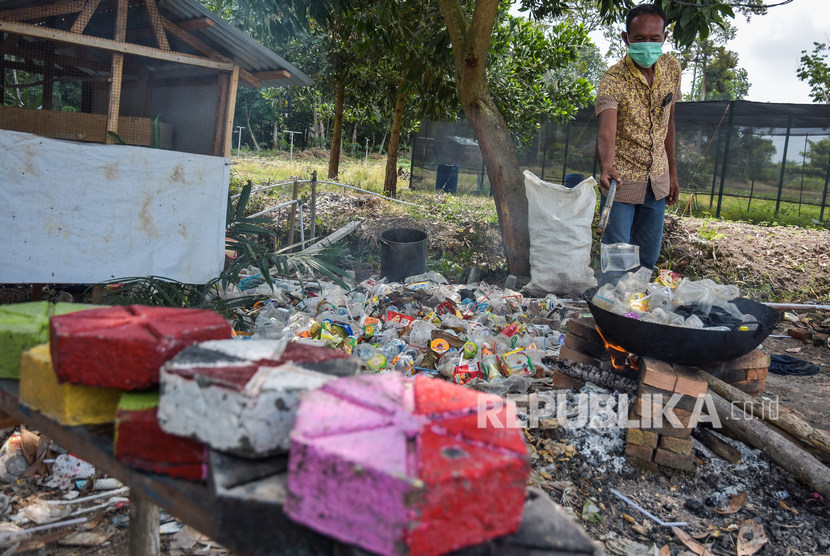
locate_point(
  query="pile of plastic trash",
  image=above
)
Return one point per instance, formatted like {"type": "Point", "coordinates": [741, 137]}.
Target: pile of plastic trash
{"type": "Point", "coordinates": [672, 300]}
{"type": "Point", "coordinates": [423, 325]}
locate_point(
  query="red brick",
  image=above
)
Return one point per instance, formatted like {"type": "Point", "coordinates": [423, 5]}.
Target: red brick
{"type": "Point", "coordinates": [597, 351]}
{"type": "Point", "coordinates": [757, 374]}
{"type": "Point", "coordinates": [579, 357]}
{"type": "Point", "coordinates": [751, 387]}
{"type": "Point", "coordinates": [585, 329]}
{"type": "Point", "coordinates": [690, 382]}
{"type": "Point", "coordinates": [674, 460]}
{"type": "Point", "coordinates": [685, 402]}
{"type": "Point", "coordinates": [730, 376]}
{"type": "Point", "coordinates": [640, 437]}
{"type": "Point", "coordinates": [667, 430]}
{"type": "Point", "coordinates": [639, 453]}
{"type": "Point", "coordinates": [658, 374]}
{"type": "Point", "coordinates": [676, 445]}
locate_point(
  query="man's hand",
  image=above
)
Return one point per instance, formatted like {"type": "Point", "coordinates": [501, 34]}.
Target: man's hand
{"type": "Point", "coordinates": [674, 192]}
{"type": "Point", "coordinates": [605, 180]}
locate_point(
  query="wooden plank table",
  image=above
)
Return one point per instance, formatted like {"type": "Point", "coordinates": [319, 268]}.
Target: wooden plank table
{"type": "Point", "coordinates": [247, 516]}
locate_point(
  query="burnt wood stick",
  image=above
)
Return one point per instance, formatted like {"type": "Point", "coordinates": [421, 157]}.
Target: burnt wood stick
{"type": "Point", "coordinates": [787, 419]}
{"type": "Point", "coordinates": [758, 434]}
{"type": "Point", "coordinates": [718, 446]}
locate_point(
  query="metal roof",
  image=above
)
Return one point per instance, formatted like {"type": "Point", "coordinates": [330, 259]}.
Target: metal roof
{"type": "Point", "coordinates": [236, 45]}
{"type": "Point", "coordinates": [222, 36]}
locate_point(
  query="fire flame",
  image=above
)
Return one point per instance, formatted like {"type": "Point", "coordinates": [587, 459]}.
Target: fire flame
{"type": "Point", "coordinates": [620, 358]}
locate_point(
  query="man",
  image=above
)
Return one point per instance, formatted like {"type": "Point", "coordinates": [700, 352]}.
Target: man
{"type": "Point", "coordinates": [635, 140]}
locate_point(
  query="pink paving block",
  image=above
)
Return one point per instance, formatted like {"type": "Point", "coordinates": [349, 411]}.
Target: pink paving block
{"type": "Point", "coordinates": [401, 466]}
{"type": "Point", "coordinates": [124, 347]}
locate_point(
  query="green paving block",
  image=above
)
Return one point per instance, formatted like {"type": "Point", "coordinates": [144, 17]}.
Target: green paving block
{"type": "Point", "coordinates": [25, 325]}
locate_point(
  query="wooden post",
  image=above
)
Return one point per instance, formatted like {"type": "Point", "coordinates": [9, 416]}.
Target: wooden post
{"type": "Point", "coordinates": [117, 72]}
{"type": "Point", "coordinates": [291, 219]}
{"type": "Point", "coordinates": [313, 206]}
{"type": "Point", "coordinates": [225, 104]}
{"type": "Point", "coordinates": [144, 526]}
{"type": "Point", "coordinates": [233, 84]}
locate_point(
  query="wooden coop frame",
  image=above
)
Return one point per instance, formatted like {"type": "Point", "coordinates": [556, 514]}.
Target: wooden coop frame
{"type": "Point", "coordinates": [164, 41]}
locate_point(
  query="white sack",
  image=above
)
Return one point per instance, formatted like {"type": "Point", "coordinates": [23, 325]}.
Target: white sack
{"type": "Point", "coordinates": [559, 222]}
{"type": "Point", "coordinates": [75, 212]}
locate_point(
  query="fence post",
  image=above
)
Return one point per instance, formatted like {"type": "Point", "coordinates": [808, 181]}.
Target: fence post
{"type": "Point", "coordinates": [725, 158]}
{"type": "Point", "coordinates": [545, 149]}
{"type": "Point", "coordinates": [314, 203]}
{"type": "Point", "coordinates": [715, 173]}
{"type": "Point", "coordinates": [567, 144]}
{"type": "Point", "coordinates": [294, 195]}
{"type": "Point", "coordinates": [783, 164]}
{"type": "Point", "coordinates": [824, 196]}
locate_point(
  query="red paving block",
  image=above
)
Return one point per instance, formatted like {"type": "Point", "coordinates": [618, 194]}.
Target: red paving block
{"type": "Point", "coordinates": [140, 442]}
{"type": "Point", "coordinates": [403, 466]}
{"type": "Point", "coordinates": [124, 347]}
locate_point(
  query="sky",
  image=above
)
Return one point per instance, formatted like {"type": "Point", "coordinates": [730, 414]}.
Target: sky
{"type": "Point", "coordinates": [769, 48]}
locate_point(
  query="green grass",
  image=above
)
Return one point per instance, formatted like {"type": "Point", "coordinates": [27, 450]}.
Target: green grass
{"type": "Point", "coordinates": [273, 167]}
{"type": "Point", "coordinates": [761, 211]}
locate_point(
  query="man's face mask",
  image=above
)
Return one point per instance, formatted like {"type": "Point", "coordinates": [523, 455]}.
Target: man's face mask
{"type": "Point", "coordinates": [645, 54]}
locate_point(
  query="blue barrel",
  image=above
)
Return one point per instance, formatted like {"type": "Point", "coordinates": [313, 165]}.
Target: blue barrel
{"type": "Point", "coordinates": [572, 180]}
{"type": "Point", "coordinates": [447, 178]}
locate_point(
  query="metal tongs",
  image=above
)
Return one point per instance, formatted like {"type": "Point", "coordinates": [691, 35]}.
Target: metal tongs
{"type": "Point", "coordinates": [606, 210]}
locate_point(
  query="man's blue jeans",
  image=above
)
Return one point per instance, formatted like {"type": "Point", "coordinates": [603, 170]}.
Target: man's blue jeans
{"type": "Point", "coordinates": [638, 225]}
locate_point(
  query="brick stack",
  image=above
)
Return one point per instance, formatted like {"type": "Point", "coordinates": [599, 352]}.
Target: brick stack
{"type": "Point", "coordinates": [659, 441]}
{"type": "Point", "coordinates": [747, 373]}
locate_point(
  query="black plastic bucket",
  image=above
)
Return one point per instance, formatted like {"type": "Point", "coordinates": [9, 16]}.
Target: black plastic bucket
{"type": "Point", "coordinates": [447, 178]}
{"type": "Point", "coordinates": [403, 252]}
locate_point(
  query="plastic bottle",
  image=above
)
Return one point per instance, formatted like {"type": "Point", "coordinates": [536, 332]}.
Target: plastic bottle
{"type": "Point", "coordinates": [364, 352]}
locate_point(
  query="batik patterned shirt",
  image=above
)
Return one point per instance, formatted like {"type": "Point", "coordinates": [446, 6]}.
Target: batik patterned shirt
{"type": "Point", "coordinates": [642, 124]}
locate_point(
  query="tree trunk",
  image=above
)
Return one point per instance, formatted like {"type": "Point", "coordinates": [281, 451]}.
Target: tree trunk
{"type": "Point", "coordinates": [337, 134]}
{"type": "Point", "coordinates": [250, 129]}
{"type": "Point", "coordinates": [275, 136]}
{"type": "Point", "coordinates": [470, 44]}
{"type": "Point", "coordinates": [390, 183]}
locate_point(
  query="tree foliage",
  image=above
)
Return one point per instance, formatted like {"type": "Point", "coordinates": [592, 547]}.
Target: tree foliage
{"type": "Point", "coordinates": [815, 70]}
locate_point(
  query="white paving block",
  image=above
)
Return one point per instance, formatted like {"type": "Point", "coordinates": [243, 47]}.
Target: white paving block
{"type": "Point", "coordinates": [234, 396]}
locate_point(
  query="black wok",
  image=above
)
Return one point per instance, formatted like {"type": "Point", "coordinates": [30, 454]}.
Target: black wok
{"type": "Point", "coordinates": [690, 346]}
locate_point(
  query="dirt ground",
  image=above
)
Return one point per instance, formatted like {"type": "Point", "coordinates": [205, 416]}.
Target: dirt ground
{"type": "Point", "coordinates": [774, 264]}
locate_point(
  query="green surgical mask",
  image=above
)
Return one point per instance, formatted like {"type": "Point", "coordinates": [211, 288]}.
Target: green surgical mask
{"type": "Point", "coordinates": [645, 54]}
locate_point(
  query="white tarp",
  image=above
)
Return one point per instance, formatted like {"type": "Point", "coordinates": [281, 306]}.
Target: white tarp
{"type": "Point", "coordinates": [87, 213]}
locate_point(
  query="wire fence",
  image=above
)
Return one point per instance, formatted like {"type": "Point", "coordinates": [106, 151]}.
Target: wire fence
{"type": "Point", "coordinates": [736, 153]}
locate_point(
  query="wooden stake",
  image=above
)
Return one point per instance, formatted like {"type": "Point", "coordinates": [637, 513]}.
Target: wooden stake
{"type": "Point", "coordinates": [291, 220]}
{"type": "Point", "coordinates": [144, 526]}
{"type": "Point", "coordinates": [313, 205]}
